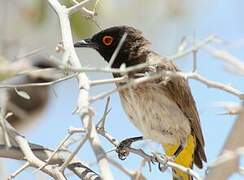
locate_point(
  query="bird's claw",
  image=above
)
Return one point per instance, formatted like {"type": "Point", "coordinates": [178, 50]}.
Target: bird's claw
{"type": "Point", "coordinates": [123, 147]}
{"type": "Point", "coordinates": [122, 153]}
{"type": "Point", "coordinates": [162, 161]}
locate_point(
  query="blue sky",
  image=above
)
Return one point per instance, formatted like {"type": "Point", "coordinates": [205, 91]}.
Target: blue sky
{"type": "Point", "coordinates": [223, 18]}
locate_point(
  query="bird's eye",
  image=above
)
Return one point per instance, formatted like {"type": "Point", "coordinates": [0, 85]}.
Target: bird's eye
{"type": "Point", "coordinates": [107, 40]}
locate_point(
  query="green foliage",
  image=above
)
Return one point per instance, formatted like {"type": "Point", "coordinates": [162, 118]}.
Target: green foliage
{"type": "Point", "coordinates": [41, 7]}
{"type": "Point", "coordinates": [81, 26]}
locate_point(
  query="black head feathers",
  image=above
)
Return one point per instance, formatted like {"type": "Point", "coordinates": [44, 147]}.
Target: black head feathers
{"type": "Point", "coordinates": [106, 41]}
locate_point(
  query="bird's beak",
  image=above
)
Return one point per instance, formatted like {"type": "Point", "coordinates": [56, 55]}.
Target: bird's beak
{"type": "Point", "coordinates": [86, 43]}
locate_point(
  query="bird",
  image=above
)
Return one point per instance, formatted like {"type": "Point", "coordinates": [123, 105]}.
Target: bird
{"type": "Point", "coordinates": [26, 112]}
{"type": "Point", "coordinates": [163, 109]}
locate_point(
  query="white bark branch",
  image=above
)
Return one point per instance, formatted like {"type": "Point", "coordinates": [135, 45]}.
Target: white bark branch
{"type": "Point", "coordinates": [36, 162]}
{"type": "Point", "coordinates": [191, 75]}
{"type": "Point", "coordinates": [8, 86]}
{"type": "Point", "coordinates": [83, 101]}
{"type": "Point", "coordinates": [37, 156]}
{"type": "Point", "coordinates": [77, 7]}
{"type": "Point", "coordinates": [17, 172]}
{"type": "Point", "coordinates": [148, 158]}
{"type": "Point", "coordinates": [236, 65]}
{"type": "Point", "coordinates": [228, 161]}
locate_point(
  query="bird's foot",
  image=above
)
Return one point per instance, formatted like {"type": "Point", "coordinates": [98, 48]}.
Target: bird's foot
{"type": "Point", "coordinates": [162, 161]}
{"type": "Point", "coordinates": [122, 148]}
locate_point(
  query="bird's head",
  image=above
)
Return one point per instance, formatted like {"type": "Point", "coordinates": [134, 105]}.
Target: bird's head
{"type": "Point", "coordinates": [106, 42]}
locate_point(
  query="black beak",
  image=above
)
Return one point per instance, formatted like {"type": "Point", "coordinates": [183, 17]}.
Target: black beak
{"type": "Point", "coordinates": [86, 43]}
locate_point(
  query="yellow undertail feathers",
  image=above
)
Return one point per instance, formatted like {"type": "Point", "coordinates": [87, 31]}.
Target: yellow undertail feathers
{"type": "Point", "coordinates": [185, 158]}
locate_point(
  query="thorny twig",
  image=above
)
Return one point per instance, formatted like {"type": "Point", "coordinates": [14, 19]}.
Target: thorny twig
{"type": "Point", "coordinates": [192, 75]}
{"type": "Point", "coordinates": [84, 110]}
{"type": "Point", "coordinates": [230, 108]}
{"type": "Point", "coordinates": [234, 64]}
{"type": "Point", "coordinates": [101, 124]}
{"type": "Point", "coordinates": [3, 116]}
{"type": "Point", "coordinates": [148, 158]}
{"type": "Point", "coordinates": [195, 76]}
{"type": "Point", "coordinates": [69, 159]}
{"type": "Point", "coordinates": [77, 7]}
{"type": "Point", "coordinates": [6, 86]}
{"type": "Point", "coordinates": [116, 51]}
{"type": "Point", "coordinates": [36, 162]}
{"type": "Point", "coordinates": [90, 14]}
{"type": "Point", "coordinates": [18, 171]}
{"type": "Point", "coordinates": [57, 149]}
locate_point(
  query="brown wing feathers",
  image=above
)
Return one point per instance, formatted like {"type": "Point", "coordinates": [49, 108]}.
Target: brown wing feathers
{"type": "Point", "coordinates": [187, 105]}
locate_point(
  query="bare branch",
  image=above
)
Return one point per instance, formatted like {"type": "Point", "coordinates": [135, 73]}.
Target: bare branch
{"type": "Point", "coordinates": [230, 108]}
{"type": "Point", "coordinates": [83, 110]}
{"type": "Point", "coordinates": [233, 62]}
{"type": "Point", "coordinates": [116, 51]}
{"type": "Point", "coordinates": [72, 155]}
{"type": "Point", "coordinates": [43, 153]}
{"type": "Point", "coordinates": [228, 160]}
{"type": "Point", "coordinates": [196, 76]}
{"type": "Point", "coordinates": [217, 85]}
{"type": "Point", "coordinates": [148, 158]}
{"type": "Point", "coordinates": [194, 54]}
{"type": "Point", "coordinates": [34, 161]}
{"type": "Point", "coordinates": [77, 7]}
{"type": "Point", "coordinates": [3, 115]}
{"type": "Point", "coordinates": [101, 124]}
{"type": "Point", "coordinates": [17, 172]}
{"type": "Point", "coordinates": [30, 53]}
{"type": "Point", "coordinates": [54, 152]}
{"type": "Point", "coordinates": [108, 81]}
{"type": "Point", "coordinates": [3, 86]}
{"type": "Point", "coordinates": [194, 48]}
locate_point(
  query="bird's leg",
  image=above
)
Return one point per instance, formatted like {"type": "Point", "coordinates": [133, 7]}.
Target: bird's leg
{"type": "Point", "coordinates": [122, 148]}
{"type": "Point", "coordinates": [178, 151]}
{"type": "Point", "coordinates": [162, 161]}
{"type": "Point", "coordinates": [163, 166]}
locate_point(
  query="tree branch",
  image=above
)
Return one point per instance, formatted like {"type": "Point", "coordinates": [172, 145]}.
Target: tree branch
{"type": "Point", "coordinates": [83, 109]}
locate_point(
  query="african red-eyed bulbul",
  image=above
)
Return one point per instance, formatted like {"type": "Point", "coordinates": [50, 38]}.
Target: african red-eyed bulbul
{"type": "Point", "coordinates": [163, 111]}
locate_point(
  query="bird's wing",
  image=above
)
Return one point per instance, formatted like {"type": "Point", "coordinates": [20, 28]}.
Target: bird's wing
{"type": "Point", "coordinates": [177, 88]}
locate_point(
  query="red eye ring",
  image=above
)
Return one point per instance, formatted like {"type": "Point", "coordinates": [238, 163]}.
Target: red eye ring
{"type": "Point", "coordinates": [107, 40]}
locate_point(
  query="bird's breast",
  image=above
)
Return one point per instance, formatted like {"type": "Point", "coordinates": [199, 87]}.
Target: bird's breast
{"type": "Point", "coordinates": [154, 114]}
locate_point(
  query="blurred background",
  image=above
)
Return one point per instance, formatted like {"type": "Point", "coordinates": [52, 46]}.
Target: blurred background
{"type": "Point", "coordinates": [29, 25]}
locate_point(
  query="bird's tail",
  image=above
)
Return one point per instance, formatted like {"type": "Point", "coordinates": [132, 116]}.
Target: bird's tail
{"type": "Point", "coordinates": [185, 158]}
